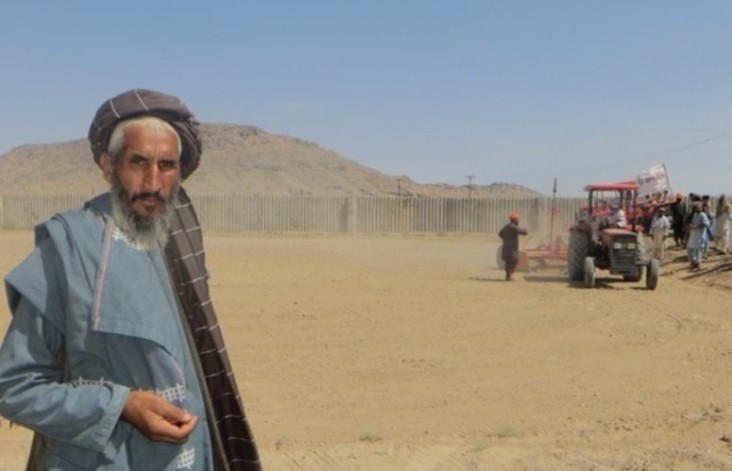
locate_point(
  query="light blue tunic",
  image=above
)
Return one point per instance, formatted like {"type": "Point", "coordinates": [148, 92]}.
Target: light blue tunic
{"type": "Point", "coordinates": [698, 232]}
{"type": "Point", "coordinates": [117, 328]}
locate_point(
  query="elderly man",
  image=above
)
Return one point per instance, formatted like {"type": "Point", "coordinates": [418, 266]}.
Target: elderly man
{"type": "Point", "coordinates": [114, 356]}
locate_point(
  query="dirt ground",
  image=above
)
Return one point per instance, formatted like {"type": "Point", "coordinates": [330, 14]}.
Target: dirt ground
{"type": "Point", "coordinates": [409, 353]}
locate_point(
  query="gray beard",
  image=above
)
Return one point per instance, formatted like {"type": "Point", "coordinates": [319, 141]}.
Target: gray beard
{"type": "Point", "coordinates": [146, 233]}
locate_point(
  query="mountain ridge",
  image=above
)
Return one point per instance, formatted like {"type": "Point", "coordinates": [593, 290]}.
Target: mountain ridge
{"type": "Point", "coordinates": [237, 159]}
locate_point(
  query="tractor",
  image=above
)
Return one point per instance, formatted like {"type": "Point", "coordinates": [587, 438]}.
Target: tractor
{"type": "Point", "coordinates": [593, 244]}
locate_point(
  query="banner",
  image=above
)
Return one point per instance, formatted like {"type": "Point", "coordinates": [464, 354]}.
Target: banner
{"type": "Point", "coordinates": [654, 180]}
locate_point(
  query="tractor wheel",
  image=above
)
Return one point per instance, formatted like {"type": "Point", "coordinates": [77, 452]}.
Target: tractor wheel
{"type": "Point", "coordinates": [589, 275]}
{"type": "Point", "coordinates": [577, 250]}
{"type": "Point", "coordinates": [499, 258]}
{"type": "Point", "coordinates": [652, 274]}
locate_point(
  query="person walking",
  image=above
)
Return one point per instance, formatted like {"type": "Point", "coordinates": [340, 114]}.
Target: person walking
{"type": "Point", "coordinates": [114, 356]}
{"type": "Point", "coordinates": [509, 234]}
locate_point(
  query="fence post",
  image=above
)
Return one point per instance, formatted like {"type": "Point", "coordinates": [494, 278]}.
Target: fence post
{"type": "Point", "coordinates": [352, 215]}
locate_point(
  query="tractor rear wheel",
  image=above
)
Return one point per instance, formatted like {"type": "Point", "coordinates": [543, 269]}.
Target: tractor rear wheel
{"type": "Point", "coordinates": [577, 250]}
{"type": "Point", "coordinates": [652, 274]}
{"type": "Point", "coordinates": [589, 275]}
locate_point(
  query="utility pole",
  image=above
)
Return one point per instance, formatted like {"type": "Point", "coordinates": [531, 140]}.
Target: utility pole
{"type": "Point", "coordinates": [470, 185]}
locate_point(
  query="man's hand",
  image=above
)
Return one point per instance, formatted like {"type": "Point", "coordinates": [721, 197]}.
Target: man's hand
{"type": "Point", "coordinates": [158, 419]}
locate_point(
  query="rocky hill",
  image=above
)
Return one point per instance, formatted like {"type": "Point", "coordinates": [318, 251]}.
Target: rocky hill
{"type": "Point", "coordinates": [237, 159]}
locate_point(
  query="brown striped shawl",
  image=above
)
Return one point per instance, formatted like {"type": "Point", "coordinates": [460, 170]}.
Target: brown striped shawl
{"type": "Point", "coordinates": [229, 425]}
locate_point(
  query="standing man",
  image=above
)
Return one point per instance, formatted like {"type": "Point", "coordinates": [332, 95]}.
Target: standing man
{"type": "Point", "coordinates": [659, 228]}
{"type": "Point", "coordinates": [722, 216]}
{"type": "Point", "coordinates": [678, 215]}
{"type": "Point", "coordinates": [114, 356]}
{"type": "Point", "coordinates": [697, 231]}
{"type": "Point", "coordinates": [510, 236]}
{"type": "Point", "coordinates": [706, 239]}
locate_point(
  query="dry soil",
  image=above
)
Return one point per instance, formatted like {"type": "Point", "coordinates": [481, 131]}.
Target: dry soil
{"type": "Point", "coordinates": [397, 353]}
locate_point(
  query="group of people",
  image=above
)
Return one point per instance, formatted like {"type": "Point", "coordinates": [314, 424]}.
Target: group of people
{"type": "Point", "coordinates": [697, 228]}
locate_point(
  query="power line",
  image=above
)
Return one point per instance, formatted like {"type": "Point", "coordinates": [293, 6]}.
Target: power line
{"type": "Point", "coordinates": [690, 145]}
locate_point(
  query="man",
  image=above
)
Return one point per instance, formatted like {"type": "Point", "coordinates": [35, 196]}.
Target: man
{"type": "Point", "coordinates": [678, 215]}
{"type": "Point", "coordinates": [616, 218]}
{"type": "Point", "coordinates": [692, 200]}
{"type": "Point", "coordinates": [114, 356]}
{"type": "Point", "coordinates": [697, 233]}
{"type": "Point", "coordinates": [721, 224]}
{"type": "Point", "coordinates": [659, 228]}
{"type": "Point", "coordinates": [509, 234]}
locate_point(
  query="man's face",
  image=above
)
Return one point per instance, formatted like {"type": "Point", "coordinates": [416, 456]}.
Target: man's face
{"type": "Point", "coordinates": [147, 171]}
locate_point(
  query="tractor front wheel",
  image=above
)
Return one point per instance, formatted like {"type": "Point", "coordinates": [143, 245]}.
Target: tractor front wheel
{"type": "Point", "coordinates": [652, 274]}
{"type": "Point", "coordinates": [589, 275]}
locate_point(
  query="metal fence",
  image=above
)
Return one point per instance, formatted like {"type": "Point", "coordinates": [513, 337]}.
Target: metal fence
{"type": "Point", "coordinates": [332, 214]}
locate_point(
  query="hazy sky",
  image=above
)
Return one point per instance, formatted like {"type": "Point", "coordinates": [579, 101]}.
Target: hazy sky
{"type": "Point", "coordinates": [517, 91]}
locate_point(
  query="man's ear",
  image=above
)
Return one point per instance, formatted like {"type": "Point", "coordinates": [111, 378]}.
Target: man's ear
{"type": "Point", "coordinates": [107, 164]}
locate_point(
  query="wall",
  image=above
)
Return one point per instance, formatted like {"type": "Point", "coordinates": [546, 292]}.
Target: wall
{"type": "Point", "coordinates": [332, 213]}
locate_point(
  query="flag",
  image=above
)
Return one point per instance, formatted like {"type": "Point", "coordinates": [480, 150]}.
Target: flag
{"type": "Point", "coordinates": [654, 180]}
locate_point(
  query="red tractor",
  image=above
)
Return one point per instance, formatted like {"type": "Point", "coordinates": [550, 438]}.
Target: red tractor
{"type": "Point", "coordinates": [605, 236]}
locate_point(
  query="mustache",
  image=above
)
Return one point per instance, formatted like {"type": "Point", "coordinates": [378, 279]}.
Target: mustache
{"type": "Point", "coordinates": [147, 194]}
